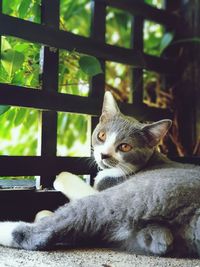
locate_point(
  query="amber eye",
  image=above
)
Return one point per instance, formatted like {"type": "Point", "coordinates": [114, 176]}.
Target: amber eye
{"type": "Point", "coordinates": [101, 136]}
{"type": "Point", "coordinates": [125, 147]}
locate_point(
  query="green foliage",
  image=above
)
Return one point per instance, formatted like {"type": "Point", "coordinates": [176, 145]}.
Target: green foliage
{"type": "Point", "coordinates": [11, 60]}
{"type": "Point", "coordinates": [153, 36]}
{"type": "Point", "coordinates": [90, 65]}
{"type": "Point", "coordinates": [19, 62]}
{"type": "Point", "coordinates": [118, 27]}
{"type": "Point", "coordinates": [75, 16]}
{"type": "Point", "coordinates": [118, 78]}
{"type": "Point", "coordinates": [3, 109]}
{"type": "Point", "coordinates": [166, 40]}
{"type": "Point", "coordinates": [24, 9]}
{"type": "Point", "coordinates": [156, 3]}
{"type": "Point", "coordinates": [73, 135]}
{"type": "Point", "coordinates": [19, 132]}
{"type": "Point", "coordinates": [72, 79]}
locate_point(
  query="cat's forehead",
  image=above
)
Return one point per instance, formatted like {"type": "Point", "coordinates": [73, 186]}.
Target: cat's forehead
{"type": "Point", "coordinates": [122, 123]}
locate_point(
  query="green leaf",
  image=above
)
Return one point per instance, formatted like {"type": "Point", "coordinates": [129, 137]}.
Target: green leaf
{"type": "Point", "coordinates": [166, 40]}
{"type": "Point", "coordinates": [10, 115]}
{"type": "Point", "coordinates": [23, 9]}
{"type": "Point", "coordinates": [23, 47]}
{"type": "Point", "coordinates": [5, 44]}
{"type": "Point", "coordinates": [20, 116]}
{"type": "Point", "coordinates": [36, 11]}
{"type": "Point", "coordinates": [3, 109]}
{"type": "Point", "coordinates": [9, 6]}
{"type": "Point", "coordinates": [70, 139]}
{"type": "Point", "coordinates": [12, 61]}
{"type": "Point", "coordinates": [90, 65]}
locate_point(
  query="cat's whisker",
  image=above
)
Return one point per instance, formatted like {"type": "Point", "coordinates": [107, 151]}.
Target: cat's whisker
{"type": "Point", "coordinates": [122, 169]}
{"type": "Point", "coordinates": [125, 168]}
{"type": "Point", "coordinates": [91, 162]}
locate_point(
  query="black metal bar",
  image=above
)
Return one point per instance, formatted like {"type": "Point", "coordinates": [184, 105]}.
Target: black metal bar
{"type": "Point", "coordinates": [98, 31]}
{"type": "Point", "coordinates": [44, 100]}
{"type": "Point", "coordinates": [23, 204]}
{"type": "Point", "coordinates": [50, 17]}
{"type": "Point", "coordinates": [19, 96]}
{"type": "Point", "coordinates": [136, 7]}
{"type": "Point", "coordinates": [65, 40]}
{"type": "Point", "coordinates": [98, 34]}
{"type": "Point", "coordinates": [137, 74]}
{"type": "Point", "coordinates": [44, 165]}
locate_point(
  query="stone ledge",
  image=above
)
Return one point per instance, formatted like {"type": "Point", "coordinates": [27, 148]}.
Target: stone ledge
{"type": "Point", "coordinates": [86, 258]}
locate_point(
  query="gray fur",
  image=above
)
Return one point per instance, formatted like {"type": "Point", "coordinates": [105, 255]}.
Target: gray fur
{"type": "Point", "coordinates": [154, 208]}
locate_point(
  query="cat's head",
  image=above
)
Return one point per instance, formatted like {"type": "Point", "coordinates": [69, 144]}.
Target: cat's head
{"type": "Point", "coordinates": [123, 142]}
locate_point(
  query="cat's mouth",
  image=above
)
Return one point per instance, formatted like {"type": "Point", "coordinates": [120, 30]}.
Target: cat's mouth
{"type": "Point", "coordinates": [105, 164]}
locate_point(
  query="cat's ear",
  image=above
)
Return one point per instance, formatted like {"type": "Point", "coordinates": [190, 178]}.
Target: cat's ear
{"type": "Point", "coordinates": [156, 131]}
{"type": "Point", "coordinates": [110, 107]}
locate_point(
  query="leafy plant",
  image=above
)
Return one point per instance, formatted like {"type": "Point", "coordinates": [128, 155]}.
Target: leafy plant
{"type": "Point", "coordinates": [19, 62]}
{"type": "Point", "coordinates": [24, 9]}
{"type": "Point", "coordinates": [156, 3]}
{"type": "Point", "coordinates": [90, 65]}
{"type": "Point", "coordinates": [3, 109]}
{"type": "Point", "coordinates": [118, 27]}
{"type": "Point", "coordinates": [75, 72]}
{"type": "Point", "coordinates": [153, 38]}
{"type": "Point", "coordinates": [166, 40]}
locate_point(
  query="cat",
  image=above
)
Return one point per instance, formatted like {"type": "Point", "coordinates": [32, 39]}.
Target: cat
{"type": "Point", "coordinates": [142, 202]}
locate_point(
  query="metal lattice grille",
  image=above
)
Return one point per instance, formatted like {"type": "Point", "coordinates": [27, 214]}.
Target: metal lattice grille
{"type": "Point", "coordinates": [50, 101]}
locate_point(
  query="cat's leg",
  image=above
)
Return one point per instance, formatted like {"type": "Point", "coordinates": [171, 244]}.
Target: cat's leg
{"type": "Point", "coordinates": [108, 178]}
{"type": "Point", "coordinates": [190, 236]}
{"type": "Point", "coordinates": [72, 186]}
{"type": "Point", "coordinates": [6, 230]}
{"type": "Point", "coordinates": [155, 240]}
{"type": "Point", "coordinates": [78, 222]}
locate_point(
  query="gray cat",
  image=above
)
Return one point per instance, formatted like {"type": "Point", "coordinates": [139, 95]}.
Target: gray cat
{"type": "Point", "coordinates": [147, 204]}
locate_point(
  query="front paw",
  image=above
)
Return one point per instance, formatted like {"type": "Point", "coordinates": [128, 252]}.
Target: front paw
{"type": "Point", "coordinates": [155, 240]}
{"type": "Point", "coordinates": [104, 181]}
{"type": "Point", "coordinates": [72, 186]}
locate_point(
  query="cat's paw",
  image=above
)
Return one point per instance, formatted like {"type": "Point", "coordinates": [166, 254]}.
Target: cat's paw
{"type": "Point", "coordinates": [42, 214]}
{"type": "Point", "coordinates": [155, 240]}
{"type": "Point", "coordinates": [108, 178]}
{"type": "Point", "coordinates": [6, 233]}
{"type": "Point", "coordinates": [107, 182]}
{"type": "Point", "coordinates": [72, 186]}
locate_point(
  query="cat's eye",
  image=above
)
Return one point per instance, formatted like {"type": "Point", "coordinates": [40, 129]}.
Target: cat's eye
{"type": "Point", "coordinates": [101, 136]}
{"type": "Point", "coordinates": [125, 147]}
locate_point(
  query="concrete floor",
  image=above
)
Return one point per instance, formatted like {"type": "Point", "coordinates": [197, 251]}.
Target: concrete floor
{"type": "Point", "coordinates": [86, 258]}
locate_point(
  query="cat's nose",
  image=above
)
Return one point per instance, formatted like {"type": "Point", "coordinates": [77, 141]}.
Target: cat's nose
{"type": "Point", "coordinates": [105, 156]}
